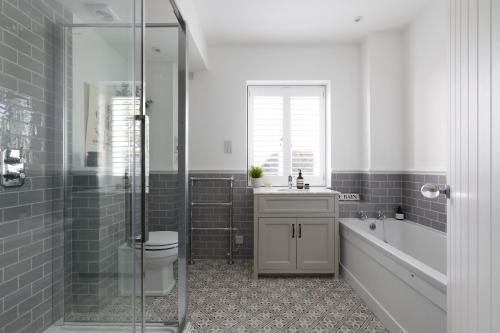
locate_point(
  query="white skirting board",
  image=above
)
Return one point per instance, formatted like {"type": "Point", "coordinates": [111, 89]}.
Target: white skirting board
{"type": "Point", "coordinates": [382, 314]}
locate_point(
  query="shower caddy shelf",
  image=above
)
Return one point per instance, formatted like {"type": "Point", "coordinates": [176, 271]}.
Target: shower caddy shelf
{"type": "Point", "coordinates": [228, 204]}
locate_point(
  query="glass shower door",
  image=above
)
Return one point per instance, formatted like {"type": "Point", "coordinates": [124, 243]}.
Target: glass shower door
{"type": "Point", "coordinates": [105, 165]}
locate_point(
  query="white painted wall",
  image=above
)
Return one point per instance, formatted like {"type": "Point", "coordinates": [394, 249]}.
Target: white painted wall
{"type": "Point", "coordinates": [389, 97]}
{"type": "Point", "coordinates": [94, 60]}
{"type": "Point", "coordinates": [383, 102]}
{"type": "Point", "coordinates": [426, 55]}
{"type": "Point", "coordinates": [218, 99]}
{"type": "Point", "coordinates": [405, 101]}
{"type": "Point", "coordinates": [197, 40]}
{"type": "Point", "coordinates": [365, 129]}
{"type": "Point", "coordinates": [161, 89]}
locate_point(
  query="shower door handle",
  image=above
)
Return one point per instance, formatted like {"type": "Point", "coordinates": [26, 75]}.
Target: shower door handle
{"type": "Point", "coordinates": [144, 164]}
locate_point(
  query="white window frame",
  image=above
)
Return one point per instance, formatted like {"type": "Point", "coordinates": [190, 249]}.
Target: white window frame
{"type": "Point", "coordinates": [287, 89]}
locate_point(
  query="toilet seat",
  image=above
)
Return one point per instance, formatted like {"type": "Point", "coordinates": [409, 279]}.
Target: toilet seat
{"type": "Point", "coordinates": [160, 241]}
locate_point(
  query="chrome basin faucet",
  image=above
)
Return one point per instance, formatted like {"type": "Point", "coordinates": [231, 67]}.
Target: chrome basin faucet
{"type": "Point", "coordinates": [362, 215]}
{"type": "Point", "coordinates": [380, 215]}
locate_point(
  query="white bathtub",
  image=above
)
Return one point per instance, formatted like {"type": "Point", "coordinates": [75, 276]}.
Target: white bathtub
{"type": "Point", "coordinates": [399, 269]}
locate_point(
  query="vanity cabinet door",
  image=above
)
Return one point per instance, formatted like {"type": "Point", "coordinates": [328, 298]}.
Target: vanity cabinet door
{"type": "Point", "coordinates": [277, 244]}
{"type": "Point", "coordinates": [315, 245]}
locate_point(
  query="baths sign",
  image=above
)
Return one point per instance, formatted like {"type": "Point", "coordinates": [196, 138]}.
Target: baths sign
{"type": "Point", "coordinates": [349, 197]}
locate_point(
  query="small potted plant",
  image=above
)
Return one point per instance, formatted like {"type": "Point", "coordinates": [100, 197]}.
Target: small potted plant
{"type": "Point", "coordinates": [256, 173]}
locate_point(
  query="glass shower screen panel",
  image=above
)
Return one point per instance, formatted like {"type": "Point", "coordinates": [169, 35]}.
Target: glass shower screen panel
{"type": "Point", "coordinates": [103, 250]}
{"type": "Point", "coordinates": [161, 78]}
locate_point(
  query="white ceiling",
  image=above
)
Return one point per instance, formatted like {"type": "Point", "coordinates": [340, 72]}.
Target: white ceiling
{"type": "Point", "coordinates": [301, 21]}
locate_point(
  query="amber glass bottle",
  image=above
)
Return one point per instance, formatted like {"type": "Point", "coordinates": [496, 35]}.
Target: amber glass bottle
{"type": "Point", "coordinates": [300, 181]}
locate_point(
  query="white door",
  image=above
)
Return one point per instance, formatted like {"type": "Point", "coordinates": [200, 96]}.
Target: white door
{"type": "Point", "coordinates": [277, 244]}
{"type": "Point", "coordinates": [315, 244]}
{"type": "Point", "coordinates": [474, 210]}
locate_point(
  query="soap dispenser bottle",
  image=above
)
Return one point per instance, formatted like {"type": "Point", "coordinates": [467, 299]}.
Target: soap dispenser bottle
{"type": "Point", "coordinates": [300, 181]}
{"type": "Point", "coordinates": [399, 214]}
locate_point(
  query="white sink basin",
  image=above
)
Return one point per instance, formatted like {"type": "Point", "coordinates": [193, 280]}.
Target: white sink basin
{"type": "Point", "coordinates": [284, 190]}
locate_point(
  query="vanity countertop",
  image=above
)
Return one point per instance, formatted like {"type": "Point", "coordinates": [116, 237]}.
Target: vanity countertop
{"type": "Point", "coordinates": [294, 191]}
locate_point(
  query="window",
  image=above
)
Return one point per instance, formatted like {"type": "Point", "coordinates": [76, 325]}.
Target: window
{"type": "Point", "coordinates": [287, 132]}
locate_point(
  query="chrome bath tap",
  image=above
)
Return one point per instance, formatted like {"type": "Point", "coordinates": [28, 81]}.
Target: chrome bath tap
{"type": "Point", "coordinates": [362, 215]}
{"type": "Point", "coordinates": [380, 215]}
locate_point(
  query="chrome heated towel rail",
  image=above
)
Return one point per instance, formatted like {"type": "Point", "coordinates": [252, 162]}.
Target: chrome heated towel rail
{"type": "Point", "coordinates": [228, 204]}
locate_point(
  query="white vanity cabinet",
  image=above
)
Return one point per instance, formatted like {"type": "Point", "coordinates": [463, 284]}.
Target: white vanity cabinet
{"type": "Point", "coordinates": [295, 231]}
{"type": "Point", "coordinates": [316, 245]}
{"type": "Point", "coordinates": [277, 244]}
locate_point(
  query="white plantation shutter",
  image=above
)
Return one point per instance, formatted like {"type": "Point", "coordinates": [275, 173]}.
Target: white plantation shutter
{"type": "Point", "coordinates": [286, 132]}
{"type": "Point", "coordinates": [268, 134]}
{"type": "Point", "coordinates": [123, 110]}
{"type": "Point", "coordinates": [305, 134]}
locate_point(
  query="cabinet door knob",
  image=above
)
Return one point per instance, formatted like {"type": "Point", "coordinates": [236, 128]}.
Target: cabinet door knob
{"type": "Point", "coordinates": [300, 230]}
{"type": "Point", "coordinates": [293, 230]}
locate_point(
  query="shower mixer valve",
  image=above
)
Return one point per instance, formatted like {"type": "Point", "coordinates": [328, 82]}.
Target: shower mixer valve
{"type": "Point", "coordinates": [12, 168]}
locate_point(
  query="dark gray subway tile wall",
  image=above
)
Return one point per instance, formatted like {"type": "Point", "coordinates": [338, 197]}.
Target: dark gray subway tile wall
{"type": "Point", "coordinates": [31, 113]}
{"type": "Point", "coordinates": [379, 192]}
{"type": "Point", "coordinates": [385, 192]}
{"type": "Point", "coordinates": [429, 212]}
{"type": "Point", "coordinates": [163, 211]}
{"type": "Point", "coordinates": [99, 216]}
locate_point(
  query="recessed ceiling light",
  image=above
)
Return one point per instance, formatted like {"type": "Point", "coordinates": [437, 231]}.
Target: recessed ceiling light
{"type": "Point", "coordinates": [358, 19]}
{"type": "Point", "coordinates": [102, 12]}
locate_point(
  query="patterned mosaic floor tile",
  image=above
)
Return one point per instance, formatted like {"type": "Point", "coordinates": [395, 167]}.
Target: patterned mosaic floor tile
{"type": "Point", "coordinates": [226, 299]}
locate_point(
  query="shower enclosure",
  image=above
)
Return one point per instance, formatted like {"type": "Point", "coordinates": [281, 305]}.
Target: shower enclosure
{"type": "Point", "coordinates": [110, 147]}
{"type": "Point", "coordinates": [84, 99]}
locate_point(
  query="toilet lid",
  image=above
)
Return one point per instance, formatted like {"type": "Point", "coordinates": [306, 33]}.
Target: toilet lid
{"type": "Point", "coordinates": [161, 239]}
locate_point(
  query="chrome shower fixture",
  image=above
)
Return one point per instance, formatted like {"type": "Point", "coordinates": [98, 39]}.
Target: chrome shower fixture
{"type": "Point", "coordinates": [12, 168]}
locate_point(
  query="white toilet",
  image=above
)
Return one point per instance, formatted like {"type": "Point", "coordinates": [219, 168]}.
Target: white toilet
{"type": "Point", "coordinates": [160, 254]}
{"type": "Point", "coordinates": [161, 251]}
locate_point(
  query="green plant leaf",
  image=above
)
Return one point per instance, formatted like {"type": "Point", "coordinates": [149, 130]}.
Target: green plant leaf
{"type": "Point", "coordinates": [256, 172]}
